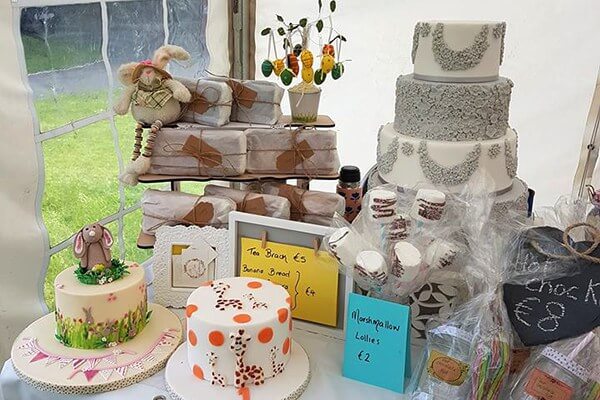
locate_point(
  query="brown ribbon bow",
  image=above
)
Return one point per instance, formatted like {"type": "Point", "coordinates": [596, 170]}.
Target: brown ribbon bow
{"type": "Point", "coordinates": [206, 154]}
{"type": "Point", "coordinates": [255, 205]}
{"type": "Point", "coordinates": [300, 152]}
{"type": "Point", "coordinates": [295, 197]}
{"type": "Point", "coordinates": [201, 214]}
{"type": "Point", "coordinates": [199, 104]}
{"type": "Point", "coordinates": [242, 95]}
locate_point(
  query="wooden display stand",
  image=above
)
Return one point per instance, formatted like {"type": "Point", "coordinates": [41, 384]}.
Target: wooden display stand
{"type": "Point", "coordinates": [146, 241]}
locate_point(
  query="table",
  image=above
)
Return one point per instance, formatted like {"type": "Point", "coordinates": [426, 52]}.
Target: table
{"type": "Point", "coordinates": [326, 355]}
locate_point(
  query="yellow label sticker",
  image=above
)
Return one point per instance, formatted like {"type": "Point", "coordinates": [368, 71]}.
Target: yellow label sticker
{"type": "Point", "coordinates": [447, 369]}
{"type": "Point", "coordinates": [310, 279]}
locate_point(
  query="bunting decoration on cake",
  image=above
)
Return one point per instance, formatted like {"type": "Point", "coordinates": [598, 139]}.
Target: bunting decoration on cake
{"type": "Point", "coordinates": [105, 364]}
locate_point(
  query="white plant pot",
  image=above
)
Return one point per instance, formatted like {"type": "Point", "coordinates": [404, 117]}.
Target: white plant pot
{"type": "Point", "coordinates": [304, 106]}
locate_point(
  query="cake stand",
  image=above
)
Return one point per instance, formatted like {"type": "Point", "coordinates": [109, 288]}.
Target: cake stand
{"type": "Point", "coordinates": [289, 385]}
{"type": "Point", "coordinates": [44, 363]}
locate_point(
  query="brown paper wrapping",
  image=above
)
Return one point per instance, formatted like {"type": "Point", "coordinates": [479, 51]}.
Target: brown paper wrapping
{"type": "Point", "coordinates": [308, 205]}
{"type": "Point", "coordinates": [187, 150]}
{"type": "Point", "coordinates": [211, 102]}
{"type": "Point", "coordinates": [253, 203]}
{"type": "Point", "coordinates": [255, 102]}
{"type": "Point", "coordinates": [160, 208]}
{"type": "Point", "coordinates": [306, 152]}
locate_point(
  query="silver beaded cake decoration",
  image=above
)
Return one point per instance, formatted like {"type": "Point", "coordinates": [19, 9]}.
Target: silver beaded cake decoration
{"type": "Point", "coordinates": [459, 60]}
{"type": "Point", "coordinates": [511, 161]}
{"type": "Point", "coordinates": [386, 161]}
{"type": "Point", "coordinates": [494, 151]}
{"type": "Point", "coordinates": [499, 32]}
{"type": "Point", "coordinates": [449, 176]}
{"type": "Point", "coordinates": [422, 29]}
{"type": "Point", "coordinates": [408, 149]}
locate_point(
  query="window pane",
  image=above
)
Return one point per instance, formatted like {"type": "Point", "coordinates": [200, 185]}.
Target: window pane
{"type": "Point", "coordinates": [62, 46]}
{"type": "Point", "coordinates": [132, 226]}
{"type": "Point", "coordinates": [81, 180]}
{"type": "Point", "coordinates": [135, 30]}
{"type": "Point", "coordinates": [187, 28]}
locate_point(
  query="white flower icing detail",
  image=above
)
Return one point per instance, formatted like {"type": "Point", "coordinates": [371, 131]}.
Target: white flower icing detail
{"type": "Point", "coordinates": [386, 161]}
{"type": "Point", "coordinates": [449, 176]}
{"type": "Point", "coordinates": [450, 111]}
{"type": "Point", "coordinates": [459, 60]}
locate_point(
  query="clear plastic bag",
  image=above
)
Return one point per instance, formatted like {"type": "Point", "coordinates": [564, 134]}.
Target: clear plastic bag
{"type": "Point", "coordinates": [562, 370]}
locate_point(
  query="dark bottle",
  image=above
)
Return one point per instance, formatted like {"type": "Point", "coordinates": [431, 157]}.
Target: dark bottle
{"type": "Point", "coordinates": [350, 189]}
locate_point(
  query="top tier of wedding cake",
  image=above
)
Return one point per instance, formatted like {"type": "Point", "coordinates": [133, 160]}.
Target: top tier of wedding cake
{"type": "Point", "coordinates": [458, 51]}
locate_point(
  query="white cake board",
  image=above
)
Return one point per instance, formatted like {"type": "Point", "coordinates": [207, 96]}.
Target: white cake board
{"type": "Point", "coordinates": [289, 385]}
{"type": "Point", "coordinates": [46, 364]}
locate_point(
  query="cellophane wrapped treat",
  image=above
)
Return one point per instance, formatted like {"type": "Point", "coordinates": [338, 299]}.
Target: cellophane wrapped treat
{"type": "Point", "coordinates": [254, 101]}
{"type": "Point", "coordinates": [468, 355]}
{"type": "Point", "coordinates": [168, 208]}
{"type": "Point", "coordinates": [356, 256]}
{"type": "Point", "coordinates": [188, 150]}
{"type": "Point", "coordinates": [297, 151]}
{"type": "Point", "coordinates": [310, 206]}
{"type": "Point", "coordinates": [211, 102]}
{"type": "Point", "coordinates": [561, 370]}
{"type": "Point", "coordinates": [253, 203]}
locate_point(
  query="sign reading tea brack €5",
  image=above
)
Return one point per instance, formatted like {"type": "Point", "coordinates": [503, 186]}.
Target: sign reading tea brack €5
{"type": "Point", "coordinates": [311, 278]}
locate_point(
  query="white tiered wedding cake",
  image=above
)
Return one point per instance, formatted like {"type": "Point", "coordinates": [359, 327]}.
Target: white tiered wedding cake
{"type": "Point", "coordinates": [452, 114]}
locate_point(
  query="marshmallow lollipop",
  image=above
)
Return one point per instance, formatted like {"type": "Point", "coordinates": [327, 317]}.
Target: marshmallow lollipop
{"type": "Point", "coordinates": [370, 270]}
{"type": "Point", "coordinates": [345, 245]}
{"type": "Point", "coordinates": [398, 229]}
{"type": "Point", "coordinates": [407, 262]}
{"type": "Point", "coordinates": [440, 254]}
{"type": "Point", "coordinates": [382, 205]}
{"type": "Point", "coordinates": [428, 206]}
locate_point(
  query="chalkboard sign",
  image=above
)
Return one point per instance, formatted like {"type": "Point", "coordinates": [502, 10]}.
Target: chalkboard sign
{"type": "Point", "coordinates": [284, 252]}
{"type": "Point", "coordinates": [545, 310]}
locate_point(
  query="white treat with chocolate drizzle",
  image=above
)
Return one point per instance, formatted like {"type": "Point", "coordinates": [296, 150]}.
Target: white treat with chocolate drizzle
{"type": "Point", "coordinates": [440, 254]}
{"type": "Point", "coordinates": [370, 269]}
{"type": "Point", "coordinates": [382, 205]}
{"type": "Point", "coordinates": [428, 206]}
{"type": "Point", "coordinates": [345, 244]}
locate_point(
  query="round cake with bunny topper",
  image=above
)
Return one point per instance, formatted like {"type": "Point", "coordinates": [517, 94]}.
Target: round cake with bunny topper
{"type": "Point", "coordinates": [103, 335]}
{"type": "Point", "coordinates": [239, 345]}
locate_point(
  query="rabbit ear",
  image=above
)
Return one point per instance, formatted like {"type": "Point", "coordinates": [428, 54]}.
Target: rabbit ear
{"type": "Point", "coordinates": [164, 54]}
{"type": "Point", "coordinates": [79, 245]}
{"type": "Point", "coordinates": [125, 73]}
{"type": "Point", "coordinates": [107, 239]}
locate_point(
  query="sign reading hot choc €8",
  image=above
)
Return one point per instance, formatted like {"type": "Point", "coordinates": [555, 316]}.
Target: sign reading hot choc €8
{"type": "Point", "coordinates": [377, 348]}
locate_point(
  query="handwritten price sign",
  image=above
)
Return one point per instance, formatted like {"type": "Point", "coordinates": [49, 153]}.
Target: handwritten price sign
{"type": "Point", "coordinates": [377, 348]}
{"type": "Point", "coordinates": [310, 279]}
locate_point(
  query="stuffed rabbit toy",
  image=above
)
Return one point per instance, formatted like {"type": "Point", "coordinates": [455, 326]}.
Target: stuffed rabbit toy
{"type": "Point", "coordinates": [92, 246]}
{"type": "Point", "coordinates": [154, 98]}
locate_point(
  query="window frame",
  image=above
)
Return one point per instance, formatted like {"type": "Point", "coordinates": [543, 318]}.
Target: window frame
{"type": "Point", "coordinates": [214, 11]}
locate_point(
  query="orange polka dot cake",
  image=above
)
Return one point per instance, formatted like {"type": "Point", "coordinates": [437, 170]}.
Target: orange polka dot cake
{"type": "Point", "coordinates": [238, 331]}
{"type": "Point", "coordinates": [239, 339]}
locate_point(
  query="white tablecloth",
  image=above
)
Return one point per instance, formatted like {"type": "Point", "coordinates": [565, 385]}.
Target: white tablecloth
{"type": "Point", "coordinates": [327, 382]}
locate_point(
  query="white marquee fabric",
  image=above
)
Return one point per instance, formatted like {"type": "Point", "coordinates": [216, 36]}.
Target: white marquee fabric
{"type": "Point", "coordinates": [551, 55]}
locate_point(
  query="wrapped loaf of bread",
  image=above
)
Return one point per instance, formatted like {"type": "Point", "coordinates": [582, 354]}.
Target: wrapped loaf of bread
{"type": "Point", "coordinates": [187, 150]}
{"type": "Point", "coordinates": [211, 102]}
{"type": "Point", "coordinates": [307, 205]}
{"type": "Point", "coordinates": [160, 208]}
{"type": "Point", "coordinates": [255, 102]}
{"type": "Point", "coordinates": [300, 151]}
{"type": "Point", "coordinates": [253, 203]}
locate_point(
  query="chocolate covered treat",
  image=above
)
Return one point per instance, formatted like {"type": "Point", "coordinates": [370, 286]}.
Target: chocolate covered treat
{"type": "Point", "coordinates": [345, 246]}
{"type": "Point", "coordinates": [382, 205]}
{"type": "Point", "coordinates": [407, 262]}
{"type": "Point", "coordinates": [428, 206]}
{"type": "Point", "coordinates": [370, 270]}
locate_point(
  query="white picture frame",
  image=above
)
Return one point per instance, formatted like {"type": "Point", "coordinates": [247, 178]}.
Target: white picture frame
{"type": "Point", "coordinates": [177, 273]}
{"type": "Point", "coordinates": [285, 231]}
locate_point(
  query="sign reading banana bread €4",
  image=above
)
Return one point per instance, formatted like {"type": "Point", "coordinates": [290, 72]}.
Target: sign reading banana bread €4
{"type": "Point", "coordinates": [310, 278]}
